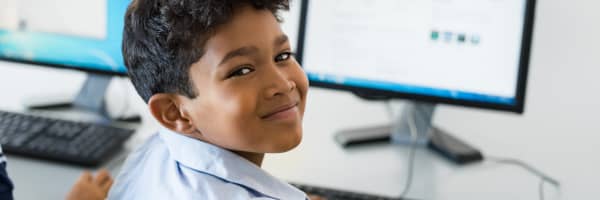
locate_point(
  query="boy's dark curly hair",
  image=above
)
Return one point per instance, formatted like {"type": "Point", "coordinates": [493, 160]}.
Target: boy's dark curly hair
{"type": "Point", "coordinates": [163, 38]}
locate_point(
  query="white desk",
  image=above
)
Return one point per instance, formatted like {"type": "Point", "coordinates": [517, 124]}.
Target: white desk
{"type": "Point", "coordinates": [553, 135]}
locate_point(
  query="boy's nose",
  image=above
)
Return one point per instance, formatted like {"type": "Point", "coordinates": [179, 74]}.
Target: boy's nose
{"type": "Point", "coordinates": [280, 84]}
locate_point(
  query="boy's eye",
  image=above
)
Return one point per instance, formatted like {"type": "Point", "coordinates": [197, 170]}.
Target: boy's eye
{"type": "Point", "coordinates": [240, 72]}
{"type": "Point", "coordinates": [283, 56]}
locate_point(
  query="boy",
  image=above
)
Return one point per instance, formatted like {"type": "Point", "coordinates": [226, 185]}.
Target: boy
{"type": "Point", "coordinates": [219, 76]}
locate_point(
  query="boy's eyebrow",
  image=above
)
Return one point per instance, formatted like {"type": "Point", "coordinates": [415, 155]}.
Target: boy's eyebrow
{"type": "Point", "coordinates": [280, 40]}
{"type": "Point", "coordinates": [243, 51]}
{"type": "Point", "coordinates": [247, 50]}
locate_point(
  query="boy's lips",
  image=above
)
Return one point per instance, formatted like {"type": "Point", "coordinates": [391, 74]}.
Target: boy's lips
{"type": "Point", "coordinates": [282, 112]}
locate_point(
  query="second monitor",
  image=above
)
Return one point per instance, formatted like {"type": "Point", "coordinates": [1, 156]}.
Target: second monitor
{"type": "Point", "coordinates": [472, 53]}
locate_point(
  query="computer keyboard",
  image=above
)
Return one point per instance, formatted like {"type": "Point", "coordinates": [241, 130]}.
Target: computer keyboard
{"type": "Point", "coordinates": [72, 142]}
{"type": "Point", "coordinates": [334, 194]}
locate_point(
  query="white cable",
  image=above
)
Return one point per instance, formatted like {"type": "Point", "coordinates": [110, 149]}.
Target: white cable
{"type": "Point", "coordinates": [526, 166]}
{"type": "Point", "coordinates": [411, 160]}
{"type": "Point", "coordinates": [413, 144]}
{"type": "Point", "coordinates": [541, 189]}
{"type": "Point", "coordinates": [543, 177]}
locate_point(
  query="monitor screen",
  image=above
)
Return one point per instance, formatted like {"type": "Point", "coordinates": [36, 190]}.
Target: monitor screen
{"type": "Point", "coordinates": [453, 51]}
{"type": "Point", "coordinates": [65, 33]}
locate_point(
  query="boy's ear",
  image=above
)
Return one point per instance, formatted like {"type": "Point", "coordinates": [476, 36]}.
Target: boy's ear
{"type": "Point", "coordinates": [169, 111]}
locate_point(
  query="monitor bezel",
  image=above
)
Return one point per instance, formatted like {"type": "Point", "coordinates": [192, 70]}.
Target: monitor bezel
{"type": "Point", "coordinates": [518, 107]}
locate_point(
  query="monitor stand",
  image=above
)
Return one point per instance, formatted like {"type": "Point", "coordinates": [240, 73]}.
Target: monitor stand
{"type": "Point", "coordinates": [89, 99]}
{"type": "Point", "coordinates": [416, 117]}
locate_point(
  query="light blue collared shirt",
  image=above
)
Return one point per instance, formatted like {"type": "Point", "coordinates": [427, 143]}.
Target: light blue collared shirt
{"type": "Point", "coordinates": [172, 166]}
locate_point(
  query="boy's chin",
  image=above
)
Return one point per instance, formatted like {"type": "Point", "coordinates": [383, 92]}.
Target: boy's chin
{"type": "Point", "coordinates": [284, 146]}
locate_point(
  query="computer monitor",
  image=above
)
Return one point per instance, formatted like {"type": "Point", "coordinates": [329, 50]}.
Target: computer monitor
{"type": "Point", "coordinates": [78, 35]}
{"type": "Point", "coordinates": [472, 53]}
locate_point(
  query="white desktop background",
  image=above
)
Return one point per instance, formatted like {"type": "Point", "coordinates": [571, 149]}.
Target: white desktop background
{"type": "Point", "coordinates": [558, 133]}
{"type": "Point", "coordinates": [389, 40]}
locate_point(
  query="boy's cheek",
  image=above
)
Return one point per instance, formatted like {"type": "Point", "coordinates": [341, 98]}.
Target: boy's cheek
{"type": "Point", "coordinates": [301, 81]}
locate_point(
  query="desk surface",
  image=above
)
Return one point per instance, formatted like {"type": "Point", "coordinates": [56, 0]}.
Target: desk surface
{"type": "Point", "coordinates": [559, 140]}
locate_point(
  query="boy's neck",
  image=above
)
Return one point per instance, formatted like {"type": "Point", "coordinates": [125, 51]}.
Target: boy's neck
{"type": "Point", "coordinates": [255, 158]}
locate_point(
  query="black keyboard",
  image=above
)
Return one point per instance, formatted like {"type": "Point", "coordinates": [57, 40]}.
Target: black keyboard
{"type": "Point", "coordinates": [72, 142]}
{"type": "Point", "coordinates": [334, 194]}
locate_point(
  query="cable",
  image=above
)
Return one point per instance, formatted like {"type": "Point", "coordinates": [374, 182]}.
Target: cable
{"type": "Point", "coordinates": [413, 145]}
{"type": "Point", "coordinates": [543, 177]}
{"type": "Point", "coordinates": [541, 189]}
{"type": "Point", "coordinates": [526, 166]}
{"type": "Point", "coordinates": [413, 148]}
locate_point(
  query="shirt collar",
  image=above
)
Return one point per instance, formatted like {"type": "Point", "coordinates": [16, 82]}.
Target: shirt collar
{"type": "Point", "coordinates": [214, 160]}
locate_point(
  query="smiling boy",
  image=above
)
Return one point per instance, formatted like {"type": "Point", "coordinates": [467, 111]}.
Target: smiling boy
{"type": "Point", "coordinates": [220, 78]}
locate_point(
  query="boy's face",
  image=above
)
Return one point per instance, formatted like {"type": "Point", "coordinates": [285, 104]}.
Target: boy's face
{"type": "Point", "coordinates": [251, 91]}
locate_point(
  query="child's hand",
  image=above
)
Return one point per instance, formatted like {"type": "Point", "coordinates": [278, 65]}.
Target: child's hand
{"type": "Point", "coordinates": [315, 197]}
{"type": "Point", "coordinates": [88, 187]}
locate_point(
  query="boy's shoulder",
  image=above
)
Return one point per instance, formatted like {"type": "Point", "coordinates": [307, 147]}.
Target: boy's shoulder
{"type": "Point", "coordinates": [150, 172]}
{"type": "Point", "coordinates": [172, 166]}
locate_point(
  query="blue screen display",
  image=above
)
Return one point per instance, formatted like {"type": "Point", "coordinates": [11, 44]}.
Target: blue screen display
{"type": "Point", "coordinates": [412, 89]}
{"type": "Point", "coordinates": [102, 53]}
